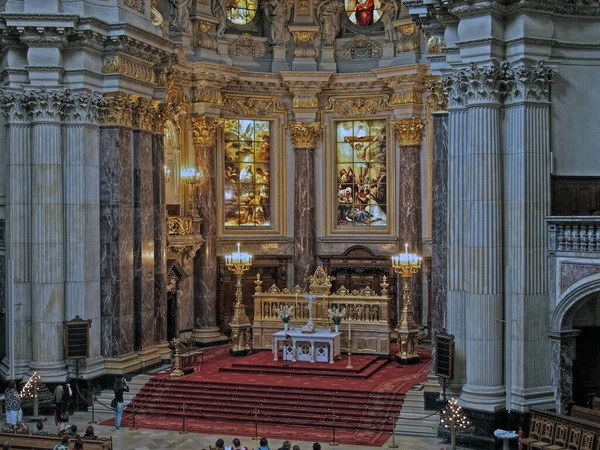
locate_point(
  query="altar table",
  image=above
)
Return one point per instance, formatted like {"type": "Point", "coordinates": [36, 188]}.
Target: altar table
{"type": "Point", "coordinates": [320, 346]}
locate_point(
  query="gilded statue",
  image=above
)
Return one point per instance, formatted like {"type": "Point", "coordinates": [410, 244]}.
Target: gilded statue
{"type": "Point", "coordinates": [329, 14]}
{"type": "Point", "coordinates": [278, 13]}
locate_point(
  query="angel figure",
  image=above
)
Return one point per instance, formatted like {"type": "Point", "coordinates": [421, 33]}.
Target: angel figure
{"type": "Point", "coordinates": [329, 14]}
{"type": "Point", "coordinates": [278, 14]}
{"type": "Point", "coordinates": [389, 12]}
{"type": "Point", "coordinates": [220, 12]}
{"type": "Point", "coordinates": [180, 15]}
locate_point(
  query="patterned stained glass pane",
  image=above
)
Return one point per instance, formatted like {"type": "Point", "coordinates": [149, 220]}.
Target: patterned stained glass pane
{"type": "Point", "coordinates": [361, 170]}
{"type": "Point", "coordinates": [247, 173]}
{"type": "Point", "coordinates": [363, 12]}
{"type": "Point", "coordinates": [241, 12]}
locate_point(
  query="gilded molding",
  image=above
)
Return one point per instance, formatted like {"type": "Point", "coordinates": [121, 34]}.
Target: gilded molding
{"type": "Point", "coordinates": [305, 102]}
{"type": "Point", "coordinates": [361, 47]}
{"type": "Point", "coordinates": [144, 113]}
{"type": "Point", "coordinates": [243, 105]}
{"type": "Point", "coordinates": [407, 96]}
{"type": "Point", "coordinates": [437, 99]}
{"type": "Point", "coordinates": [358, 106]}
{"type": "Point", "coordinates": [180, 225]}
{"type": "Point", "coordinates": [204, 130]}
{"type": "Point", "coordinates": [408, 38]}
{"type": "Point", "coordinates": [207, 91]}
{"type": "Point", "coordinates": [410, 131]}
{"type": "Point", "coordinates": [245, 45]}
{"type": "Point", "coordinates": [304, 46]}
{"type": "Point", "coordinates": [305, 134]}
{"type": "Point", "coordinates": [124, 66]}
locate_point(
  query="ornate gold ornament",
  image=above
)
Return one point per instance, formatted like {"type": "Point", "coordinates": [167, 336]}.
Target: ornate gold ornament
{"type": "Point", "coordinates": [251, 106]}
{"type": "Point", "coordinates": [138, 5]}
{"type": "Point", "coordinates": [304, 134]}
{"type": "Point", "coordinates": [437, 99]}
{"type": "Point", "coordinates": [408, 38]}
{"type": "Point", "coordinates": [204, 130]}
{"type": "Point", "coordinates": [143, 113]}
{"type": "Point", "coordinates": [410, 131]}
{"type": "Point", "coordinates": [207, 91]}
{"type": "Point", "coordinates": [245, 45]}
{"type": "Point", "coordinates": [361, 47]}
{"type": "Point", "coordinates": [180, 225]}
{"type": "Point", "coordinates": [118, 109]}
{"type": "Point", "coordinates": [435, 44]}
{"type": "Point", "coordinates": [204, 37]}
{"type": "Point", "coordinates": [304, 46]}
{"type": "Point", "coordinates": [320, 282]}
{"type": "Point", "coordinates": [358, 106]}
{"type": "Point", "coordinates": [305, 102]}
{"type": "Point", "coordinates": [406, 96]}
{"type": "Point", "coordinates": [124, 66]}
{"type": "Point", "coordinates": [303, 8]}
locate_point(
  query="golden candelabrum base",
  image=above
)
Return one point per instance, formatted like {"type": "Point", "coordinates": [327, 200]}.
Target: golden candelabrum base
{"type": "Point", "coordinates": [241, 329]}
{"type": "Point", "coordinates": [177, 372]}
{"type": "Point", "coordinates": [349, 365]}
{"type": "Point", "coordinates": [407, 330]}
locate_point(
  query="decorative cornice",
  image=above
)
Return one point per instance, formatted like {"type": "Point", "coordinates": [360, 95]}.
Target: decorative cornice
{"type": "Point", "coordinates": [410, 131]}
{"type": "Point", "coordinates": [130, 68]}
{"type": "Point", "coordinates": [304, 134]}
{"type": "Point", "coordinates": [204, 130]}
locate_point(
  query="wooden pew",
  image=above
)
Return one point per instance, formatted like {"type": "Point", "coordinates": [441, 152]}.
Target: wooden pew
{"type": "Point", "coordinates": [590, 415]}
{"type": "Point", "coordinates": [576, 433]}
{"type": "Point", "coordinates": [28, 441]}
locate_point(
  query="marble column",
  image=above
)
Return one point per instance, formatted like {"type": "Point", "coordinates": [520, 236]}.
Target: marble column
{"type": "Point", "coordinates": [410, 134]}
{"type": "Point", "coordinates": [205, 264]}
{"type": "Point", "coordinates": [527, 163]}
{"type": "Point", "coordinates": [47, 234]}
{"type": "Point", "coordinates": [304, 137]}
{"type": "Point", "coordinates": [160, 239]}
{"type": "Point", "coordinates": [484, 389]}
{"type": "Point", "coordinates": [17, 145]}
{"type": "Point", "coordinates": [562, 354]}
{"type": "Point", "coordinates": [116, 226]}
{"type": "Point", "coordinates": [82, 217]}
{"type": "Point", "coordinates": [143, 240]}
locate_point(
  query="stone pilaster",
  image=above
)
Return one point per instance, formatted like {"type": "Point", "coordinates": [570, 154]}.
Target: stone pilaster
{"type": "Point", "coordinates": [527, 163]}
{"type": "Point", "coordinates": [410, 134]}
{"type": "Point", "coordinates": [304, 137]}
{"type": "Point", "coordinates": [562, 354]}
{"type": "Point", "coordinates": [47, 234]}
{"type": "Point", "coordinates": [17, 147]}
{"type": "Point", "coordinates": [116, 225]}
{"type": "Point", "coordinates": [204, 130]}
{"type": "Point", "coordinates": [82, 217]}
{"type": "Point", "coordinates": [457, 224]}
{"type": "Point", "coordinates": [484, 305]}
{"type": "Point", "coordinates": [160, 238]}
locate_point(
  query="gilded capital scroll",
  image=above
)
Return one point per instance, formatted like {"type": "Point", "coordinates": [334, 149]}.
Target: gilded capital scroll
{"type": "Point", "coordinates": [410, 131]}
{"type": "Point", "coordinates": [304, 134]}
{"type": "Point", "coordinates": [204, 130]}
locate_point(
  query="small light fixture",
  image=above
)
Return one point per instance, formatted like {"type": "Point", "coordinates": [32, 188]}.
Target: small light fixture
{"type": "Point", "coordinates": [167, 173]}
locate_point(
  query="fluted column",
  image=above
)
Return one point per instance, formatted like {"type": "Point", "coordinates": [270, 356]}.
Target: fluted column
{"type": "Point", "coordinates": [204, 130]}
{"type": "Point", "coordinates": [484, 389]}
{"type": "Point", "coordinates": [410, 134]}
{"type": "Point", "coordinates": [47, 234]}
{"type": "Point", "coordinates": [18, 228]}
{"type": "Point", "coordinates": [527, 163]}
{"type": "Point", "coordinates": [304, 137]}
{"type": "Point", "coordinates": [82, 217]}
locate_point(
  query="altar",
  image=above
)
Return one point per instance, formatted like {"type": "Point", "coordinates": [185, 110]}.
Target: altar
{"type": "Point", "coordinates": [320, 346]}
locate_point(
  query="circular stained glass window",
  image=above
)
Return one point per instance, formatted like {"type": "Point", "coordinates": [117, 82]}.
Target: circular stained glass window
{"type": "Point", "coordinates": [241, 12]}
{"type": "Point", "coordinates": [363, 13]}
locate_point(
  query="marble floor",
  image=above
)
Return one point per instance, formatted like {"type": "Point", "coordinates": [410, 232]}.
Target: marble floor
{"type": "Point", "coordinates": [144, 439]}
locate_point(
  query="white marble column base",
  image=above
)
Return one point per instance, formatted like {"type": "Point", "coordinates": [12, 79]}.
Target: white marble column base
{"type": "Point", "coordinates": [21, 369]}
{"type": "Point", "coordinates": [208, 335]}
{"type": "Point", "coordinates": [540, 397]}
{"type": "Point", "coordinates": [51, 372]}
{"type": "Point", "coordinates": [489, 399]}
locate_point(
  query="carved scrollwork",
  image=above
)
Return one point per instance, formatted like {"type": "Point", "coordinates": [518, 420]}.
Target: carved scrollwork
{"type": "Point", "coordinates": [358, 106]}
{"type": "Point", "coordinates": [180, 225]}
{"type": "Point", "coordinates": [408, 38]}
{"type": "Point", "coordinates": [435, 44]}
{"type": "Point", "coordinates": [125, 66]}
{"type": "Point", "coordinates": [245, 45]}
{"type": "Point", "coordinates": [361, 47]}
{"type": "Point", "coordinates": [138, 5]}
{"type": "Point", "coordinates": [250, 106]}
{"type": "Point", "coordinates": [304, 46]}
{"type": "Point", "coordinates": [437, 99]}
{"type": "Point", "coordinates": [204, 35]}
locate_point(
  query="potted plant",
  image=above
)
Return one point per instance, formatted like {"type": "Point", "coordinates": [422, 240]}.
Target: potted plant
{"type": "Point", "coordinates": [336, 315]}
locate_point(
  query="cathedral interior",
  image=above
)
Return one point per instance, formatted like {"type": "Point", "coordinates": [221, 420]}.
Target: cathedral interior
{"type": "Point", "coordinates": [142, 140]}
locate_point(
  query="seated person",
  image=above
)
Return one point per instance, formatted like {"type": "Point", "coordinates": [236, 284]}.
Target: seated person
{"type": "Point", "coordinates": [64, 444]}
{"type": "Point", "coordinates": [71, 431]}
{"type": "Point", "coordinates": [40, 429]}
{"type": "Point", "coordinates": [89, 433]}
{"type": "Point", "coordinates": [78, 445]}
{"type": "Point", "coordinates": [220, 444]}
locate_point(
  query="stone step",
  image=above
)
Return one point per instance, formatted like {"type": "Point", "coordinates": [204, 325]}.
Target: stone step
{"type": "Point", "coordinates": [413, 420]}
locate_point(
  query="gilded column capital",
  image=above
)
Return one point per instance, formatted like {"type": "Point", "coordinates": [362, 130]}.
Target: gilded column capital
{"type": "Point", "coordinates": [304, 134]}
{"type": "Point", "coordinates": [437, 99]}
{"type": "Point", "coordinates": [118, 109]}
{"type": "Point", "coordinates": [143, 113]}
{"type": "Point", "coordinates": [204, 130]}
{"type": "Point", "coordinates": [410, 131]}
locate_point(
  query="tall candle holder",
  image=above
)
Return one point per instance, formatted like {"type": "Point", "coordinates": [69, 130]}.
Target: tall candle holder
{"type": "Point", "coordinates": [239, 263]}
{"type": "Point", "coordinates": [192, 177]}
{"type": "Point", "coordinates": [406, 265]}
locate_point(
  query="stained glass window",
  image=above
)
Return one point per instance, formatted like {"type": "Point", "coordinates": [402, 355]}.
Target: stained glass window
{"type": "Point", "coordinates": [247, 173]}
{"type": "Point", "coordinates": [241, 12]}
{"type": "Point", "coordinates": [361, 170]}
{"type": "Point", "coordinates": [363, 12]}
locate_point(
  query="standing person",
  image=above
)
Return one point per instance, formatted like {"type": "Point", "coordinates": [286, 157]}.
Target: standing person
{"type": "Point", "coordinates": [62, 393]}
{"type": "Point", "coordinates": [119, 387]}
{"type": "Point", "coordinates": [12, 404]}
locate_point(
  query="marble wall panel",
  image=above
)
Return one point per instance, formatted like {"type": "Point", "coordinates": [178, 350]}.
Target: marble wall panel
{"type": "Point", "coordinates": [304, 217]}
{"type": "Point", "coordinates": [160, 240]}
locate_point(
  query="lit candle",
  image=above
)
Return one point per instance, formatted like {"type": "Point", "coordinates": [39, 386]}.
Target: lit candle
{"type": "Point", "coordinates": [297, 313]}
{"type": "Point", "coordinates": [349, 329]}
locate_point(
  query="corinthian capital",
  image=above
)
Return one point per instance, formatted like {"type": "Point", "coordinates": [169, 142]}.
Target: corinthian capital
{"type": "Point", "coordinates": [437, 100]}
{"type": "Point", "coordinates": [526, 82]}
{"type": "Point", "coordinates": [304, 134]}
{"type": "Point", "coordinates": [118, 109]}
{"type": "Point", "coordinates": [44, 104]}
{"type": "Point", "coordinates": [13, 106]}
{"type": "Point", "coordinates": [83, 107]}
{"type": "Point", "coordinates": [484, 84]}
{"type": "Point", "coordinates": [204, 130]}
{"type": "Point", "coordinates": [410, 131]}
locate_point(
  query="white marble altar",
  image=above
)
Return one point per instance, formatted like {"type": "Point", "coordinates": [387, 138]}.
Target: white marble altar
{"type": "Point", "coordinates": [320, 346]}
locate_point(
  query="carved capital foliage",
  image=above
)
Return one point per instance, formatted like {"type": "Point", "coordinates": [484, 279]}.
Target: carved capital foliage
{"type": "Point", "coordinates": [358, 106]}
{"type": "Point", "coordinates": [485, 84]}
{"type": "Point", "coordinates": [144, 113]}
{"type": "Point", "coordinates": [455, 87]}
{"type": "Point", "coordinates": [204, 130]}
{"type": "Point", "coordinates": [410, 131]}
{"type": "Point", "coordinates": [118, 109]}
{"type": "Point", "coordinates": [83, 107]}
{"type": "Point", "coordinates": [207, 91]}
{"type": "Point", "coordinates": [437, 100]}
{"type": "Point", "coordinates": [13, 106]}
{"type": "Point", "coordinates": [44, 104]}
{"type": "Point", "coordinates": [529, 82]}
{"type": "Point", "coordinates": [305, 134]}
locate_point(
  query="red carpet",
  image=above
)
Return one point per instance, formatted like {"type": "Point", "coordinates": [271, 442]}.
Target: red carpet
{"type": "Point", "coordinates": [233, 396]}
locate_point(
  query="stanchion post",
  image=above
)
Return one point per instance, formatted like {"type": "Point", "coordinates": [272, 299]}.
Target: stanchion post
{"type": "Point", "coordinates": [93, 411]}
{"type": "Point", "coordinates": [133, 427]}
{"type": "Point", "coordinates": [183, 421]}
{"type": "Point", "coordinates": [255, 438]}
{"type": "Point", "coordinates": [333, 443]}
{"type": "Point", "coordinates": [393, 444]}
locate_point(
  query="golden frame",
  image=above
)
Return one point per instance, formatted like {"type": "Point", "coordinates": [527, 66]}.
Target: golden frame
{"type": "Point", "coordinates": [330, 179]}
{"type": "Point", "coordinates": [277, 191]}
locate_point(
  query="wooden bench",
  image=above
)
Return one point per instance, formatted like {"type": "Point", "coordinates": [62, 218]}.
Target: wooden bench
{"type": "Point", "coordinates": [27, 441]}
{"type": "Point", "coordinates": [590, 415]}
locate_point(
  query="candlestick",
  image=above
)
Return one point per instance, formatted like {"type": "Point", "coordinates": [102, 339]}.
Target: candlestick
{"type": "Point", "coordinates": [349, 329]}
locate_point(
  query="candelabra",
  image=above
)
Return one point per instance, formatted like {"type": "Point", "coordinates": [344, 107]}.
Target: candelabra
{"type": "Point", "coordinates": [406, 265]}
{"type": "Point", "coordinates": [191, 177]}
{"type": "Point", "coordinates": [239, 263]}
